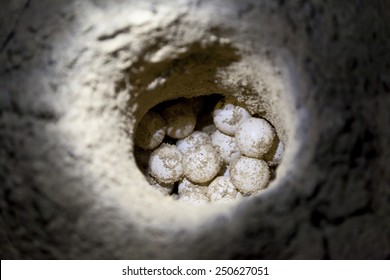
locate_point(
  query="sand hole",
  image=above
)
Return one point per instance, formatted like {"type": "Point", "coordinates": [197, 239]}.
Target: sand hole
{"type": "Point", "coordinates": [210, 70]}
{"type": "Point", "coordinates": [214, 183]}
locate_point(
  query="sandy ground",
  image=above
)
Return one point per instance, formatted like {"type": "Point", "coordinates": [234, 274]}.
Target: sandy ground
{"type": "Point", "coordinates": [77, 76]}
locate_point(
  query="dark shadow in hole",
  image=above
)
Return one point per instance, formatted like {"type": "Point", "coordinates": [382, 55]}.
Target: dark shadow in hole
{"type": "Point", "coordinates": [194, 72]}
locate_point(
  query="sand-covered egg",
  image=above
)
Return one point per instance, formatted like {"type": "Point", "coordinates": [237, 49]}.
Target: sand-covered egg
{"type": "Point", "coordinates": [192, 193]}
{"type": "Point", "coordinates": [180, 120]}
{"type": "Point", "coordinates": [151, 131]}
{"type": "Point", "coordinates": [165, 164]}
{"type": "Point", "coordinates": [249, 175]}
{"type": "Point", "coordinates": [191, 141]}
{"type": "Point", "coordinates": [207, 149]}
{"type": "Point", "coordinates": [221, 189]}
{"type": "Point", "coordinates": [226, 145]}
{"type": "Point", "coordinates": [254, 137]}
{"type": "Point", "coordinates": [202, 164]}
{"type": "Point", "coordinates": [228, 115]}
{"type": "Point", "coordinates": [197, 197]}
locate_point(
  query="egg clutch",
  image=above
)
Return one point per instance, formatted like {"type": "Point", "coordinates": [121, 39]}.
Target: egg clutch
{"type": "Point", "coordinates": [200, 151]}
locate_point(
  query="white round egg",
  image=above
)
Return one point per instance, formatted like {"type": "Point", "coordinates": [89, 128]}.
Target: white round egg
{"type": "Point", "coordinates": [228, 115]}
{"type": "Point", "coordinates": [192, 193]}
{"type": "Point", "coordinates": [254, 137]}
{"type": "Point", "coordinates": [197, 197]}
{"type": "Point", "coordinates": [165, 164]}
{"type": "Point", "coordinates": [226, 145]}
{"type": "Point", "coordinates": [221, 189]}
{"type": "Point", "coordinates": [191, 141]}
{"type": "Point", "coordinates": [151, 131]}
{"type": "Point", "coordinates": [180, 119]}
{"type": "Point", "coordinates": [202, 164]}
{"type": "Point", "coordinates": [249, 175]}
{"type": "Point", "coordinates": [186, 186]}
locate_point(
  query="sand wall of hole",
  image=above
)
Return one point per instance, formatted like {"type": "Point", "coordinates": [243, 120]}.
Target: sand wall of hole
{"type": "Point", "coordinates": [191, 57]}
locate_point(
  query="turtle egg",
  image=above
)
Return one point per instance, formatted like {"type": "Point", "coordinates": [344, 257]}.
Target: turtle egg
{"type": "Point", "coordinates": [180, 119]}
{"type": "Point", "coordinates": [151, 131]}
{"type": "Point", "coordinates": [228, 115]}
{"type": "Point", "coordinates": [192, 193]}
{"type": "Point", "coordinates": [254, 137]}
{"type": "Point", "coordinates": [194, 139]}
{"type": "Point", "coordinates": [249, 175]}
{"type": "Point", "coordinates": [197, 197]}
{"type": "Point", "coordinates": [221, 189]}
{"type": "Point", "coordinates": [202, 163]}
{"type": "Point", "coordinates": [226, 145]}
{"type": "Point", "coordinates": [165, 164]}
